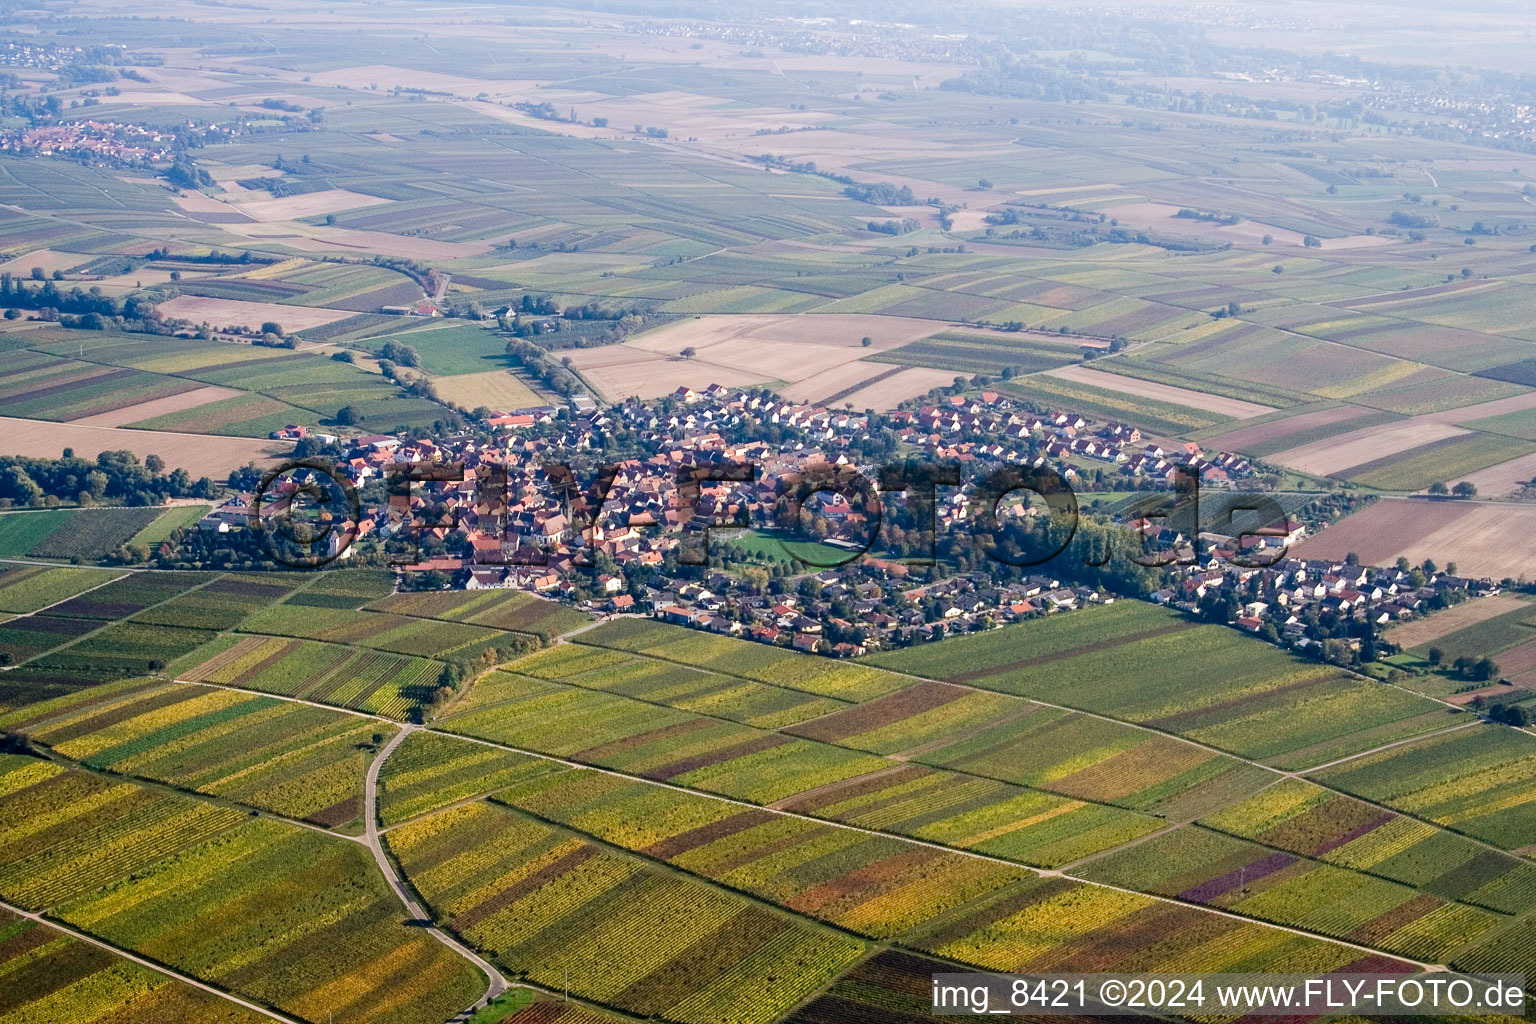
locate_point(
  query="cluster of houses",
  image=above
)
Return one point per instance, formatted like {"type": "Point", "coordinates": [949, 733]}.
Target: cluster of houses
{"type": "Point", "coordinates": [1302, 603]}
{"type": "Point", "coordinates": [105, 140]}
{"type": "Point", "coordinates": [863, 607]}
{"type": "Point", "coordinates": [1066, 439]}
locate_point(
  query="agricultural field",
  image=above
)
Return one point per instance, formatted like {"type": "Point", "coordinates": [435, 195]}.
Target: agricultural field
{"type": "Point", "coordinates": [497, 390]}
{"type": "Point", "coordinates": [558, 910]}
{"type": "Point", "coordinates": [291, 759]}
{"type": "Point", "coordinates": [385, 631]}
{"type": "Point", "coordinates": [973, 352]}
{"type": "Point", "coordinates": [1479, 781]}
{"type": "Point", "coordinates": [1094, 759]}
{"type": "Point", "coordinates": [1485, 624]}
{"type": "Point", "coordinates": [1306, 819]}
{"type": "Point", "coordinates": [839, 680]}
{"type": "Point", "coordinates": [27, 636]}
{"type": "Point", "coordinates": [1161, 417]}
{"type": "Point", "coordinates": [199, 455]}
{"type": "Point", "coordinates": [1058, 925]}
{"type": "Point", "coordinates": [344, 588]}
{"type": "Point", "coordinates": [665, 744]}
{"type": "Point", "coordinates": [182, 387]}
{"type": "Point", "coordinates": [88, 533]}
{"type": "Point", "coordinates": [385, 684]}
{"type": "Point", "coordinates": [125, 648]}
{"type": "Point", "coordinates": [450, 350]}
{"type": "Point", "coordinates": [994, 818]}
{"type": "Point", "coordinates": [660, 682]}
{"type": "Point", "coordinates": [510, 610]}
{"type": "Point", "coordinates": [745, 349]}
{"type": "Point", "coordinates": [132, 594]}
{"type": "Point", "coordinates": [1474, 535]}
{"type": "Point", "coordinates": [681, 826]}
{"type": "Point", "coordinates": [874, 885]}
{"type": "Point", "coordinates": [1260, 704]}
{"type": "Point", "coordinates": [51, 975]}
{"type": "Point", "coordinates": [222, 604]}
{"type": "Point", "coordinates": [429, 771]}
{"type": "Point", "coordinates": [146, 870]}
{"type": "Point", "coordinates": [1207, 868]}
{"type": "Point", "coordinates": [31, 588]}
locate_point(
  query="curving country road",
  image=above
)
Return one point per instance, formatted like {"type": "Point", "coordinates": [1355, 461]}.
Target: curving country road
{"type": "Point", "coordinates": [497, 983]}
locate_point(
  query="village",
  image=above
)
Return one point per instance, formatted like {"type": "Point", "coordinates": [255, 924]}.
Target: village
{"type": "Point", "coordinates": [499, 514]}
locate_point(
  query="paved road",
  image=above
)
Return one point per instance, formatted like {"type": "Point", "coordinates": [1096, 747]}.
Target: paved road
{"type": "Point", "coordinates": [185, 979]}
{"type": "Point", "coordinates": [497, 982]}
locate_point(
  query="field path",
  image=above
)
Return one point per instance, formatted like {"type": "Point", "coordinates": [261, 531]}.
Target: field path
{"type": "Point", "coordinates": [1389, 746]}
{"type": "Point", "coordinates": [185, 979]}
{"type": "Point", "coordinates": [496, 982]}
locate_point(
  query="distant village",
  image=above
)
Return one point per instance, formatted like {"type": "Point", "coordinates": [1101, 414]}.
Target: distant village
{"type": "Point", "coordinates": [104, 140]}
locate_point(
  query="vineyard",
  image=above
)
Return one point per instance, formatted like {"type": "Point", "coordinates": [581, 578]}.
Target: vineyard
{"type": "Point", "coordinates": [90, 533]}
{"type": "Point", "coordinates": [873, 885]}
{"type": "Point", "coordinates": [1479, 781]}
{"type": "Point", "coordinates": [761, 813]}
{"type": "Point", "coordinates": [995, 818]}
{"type": "Point", "coordinates": [1262, 703]}
{"type": "Point", "coordinates": [28, 588]}
{"type": "Point", "coordinates": [222, 604]}
{"type": "Point", "coordinates": [297, 761]}
{"type": "Point", "coordinates": [563, 911]}
{"type": "Point", "coordinates": [1314, 822]}
{"type": "Point", "coordinates": [499, 609]}
{"type": "Point", "coordinates": [399, 634]}
{"type": "Point", "coordinates": [303, 922]}
{"type": "Point", "coordinates": [385, 684]}
{"type": "Point", "coordinates": [710, 693]}
{"type": "Point", "coordinates": [132, 594]}
{"type": "Point", "coordinates": [1214, 870]}
{"type": "Point", "coordinates": [429, 771]}
{"type": "Point", "coordinates": [1056, 925]}
{"type": "Point", "coordinates": [1094, 759]}
{"type": "Point", "coordinates": [659, 743]}
{"type": "Point", "coordinates": [839, 680]}
{"type": "Point", "coordinates": [51, 976]}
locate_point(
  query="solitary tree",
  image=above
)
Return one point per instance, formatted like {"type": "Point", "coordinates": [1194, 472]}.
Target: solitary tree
{"type": "Point", "coordinates": [1434, 655]}
{"type": "Point", "coordinates": [1465, 489]}
{"type": "Point", "coordinates": [1438, 487]}
{"type": "Point", "coordinates": [689, 352]}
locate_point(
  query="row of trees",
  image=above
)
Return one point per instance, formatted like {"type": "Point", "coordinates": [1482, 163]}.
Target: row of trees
{"type": "Point", "coordinates": [115, 477]}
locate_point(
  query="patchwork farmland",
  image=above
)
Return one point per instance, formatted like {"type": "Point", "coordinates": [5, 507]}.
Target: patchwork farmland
{"type": "Point", "coordinates": [1298, 252]}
